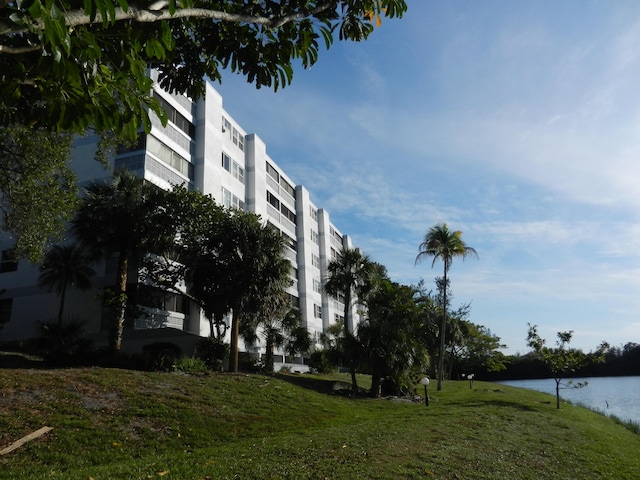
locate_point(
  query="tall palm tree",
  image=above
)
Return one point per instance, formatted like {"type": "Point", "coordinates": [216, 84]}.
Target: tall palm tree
{"type": "Point", "coordinates": [351, 275]}
{"type": "Point", "coordinates": [116, 217]}
{"type": "Point", "coordinates": [443, 244]}
{"type": "Point", "coordinates": [65, 266]}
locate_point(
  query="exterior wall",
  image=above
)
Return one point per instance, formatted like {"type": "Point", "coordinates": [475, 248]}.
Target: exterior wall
{"type": "Point", "coordinates": [204, 148]}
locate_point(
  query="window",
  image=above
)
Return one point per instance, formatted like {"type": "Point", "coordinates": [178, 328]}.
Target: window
{"type": "Point", "coordinates": [290, 242]}
{"type": "Point", "coordinates": [273, 200]}
{"type": "Point", "coordinates": [334, 254]}
{"type": "Point", "coordinates": [229, 200]}
{"type": "Point", "coordinates": [314, 213]}
{"type": "Point", "coordinates": [317, 287]}
{"type": "Point", "coordinates": [314, 236]}
{"type": "Point", "coordinates": [338, 318]}
{"type": "Point", "coordinates": [226, 162]}
{"type": "Point", "coordinates": [176, 117]}
{"type": "Point", "coordinates": [238, 172]}
{"type": "Point", "coordinates": [317, 311]}
{"type": "Point", "coordinates": [226, 125]}
{"type": "Point", "coordinates": [293, 300]}
{"type": "Point", "coordinates": [234, 134]}
{"type": "Point", "coordinates": [287, 187]}
{"type": "Point", "coordinates": [5, 310]}
{"type": "Point", "coordinates": [139, 144]}
{"type": "Point", "coordinates": [273, 172]}
{"type": "Point", "coordinates": [8, 261]}
{"type": "Point", "coordinates": [233, 167]}
{"type": "Point", "coordinates": [168, 156]}
{"type": "Point", "coordinates": [288, 213]}
{"type": "Point", "coordinates": [315, 260]}
{"type": "Point", "coordinates": [238, 139]}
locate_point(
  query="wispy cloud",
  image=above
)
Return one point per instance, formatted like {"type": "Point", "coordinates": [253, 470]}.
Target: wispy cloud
{"type": "Point", "coordinates": [518, 124]}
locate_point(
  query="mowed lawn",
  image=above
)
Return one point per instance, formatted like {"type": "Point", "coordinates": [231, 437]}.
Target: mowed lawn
{"type": "Point", "coordinates": [121, 424]}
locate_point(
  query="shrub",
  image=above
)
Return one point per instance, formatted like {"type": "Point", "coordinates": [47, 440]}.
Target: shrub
{"type": "Point", "coordinates": [321, 362]}
{"type": "Point", "coordinates": [161, 356]}
{"type": "Point", "coordinates": [212, 352]}
{"type": "Point", "coordinates": [62, 343]}
{"type": "Point", "coordinates": [191, 365]}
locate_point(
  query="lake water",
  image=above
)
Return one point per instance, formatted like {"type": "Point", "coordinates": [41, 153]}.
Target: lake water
{"type": "Point", "coordinates": [618, 396]}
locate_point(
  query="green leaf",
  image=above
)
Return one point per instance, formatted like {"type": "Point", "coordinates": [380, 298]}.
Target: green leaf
{"type": "Point", "coordinates": [35, 10]}
{"type": "Point", "coordinates": [17, 18]}
{"type": "Point", "coordinates": [124, 5]}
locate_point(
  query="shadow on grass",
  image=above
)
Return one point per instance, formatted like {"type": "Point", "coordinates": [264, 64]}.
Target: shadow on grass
{"type": "Point", "coordinates": [320, 385]}
{"type": "Point", "coordinates": [497, 403]}
{"type": "Point", "coordinates": [20, 360]}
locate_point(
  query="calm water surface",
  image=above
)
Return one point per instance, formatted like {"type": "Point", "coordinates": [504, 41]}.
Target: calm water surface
{"type": "Point", "coordinates": [619, 396]}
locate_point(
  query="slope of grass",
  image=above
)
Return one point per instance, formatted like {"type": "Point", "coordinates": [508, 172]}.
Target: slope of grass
{"type": "Point", "coordinates": [119, 424]}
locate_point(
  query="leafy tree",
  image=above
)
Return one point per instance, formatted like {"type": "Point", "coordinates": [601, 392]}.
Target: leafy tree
{"type": "Point", "coordinates": [480, 349]}
{"type": "Point", "coordinates": [65, 266]}
{"type": "Point", "coordinates": [236, 268]}
{"type": "Point", "coordinates": [443, 244]}
{"type": "Point", "coordinates": [455, 334]}
{"type": "Point", "coordinates": [194, 227]}
{"type": "Point", "coordinates": [37, 189]}
{"type": "Point", "coordinates": [117, 218]}
{"type": "Point", "coordinates": [228, 260]}
{"type": "Point", "coordinates": [393, 336]}
{"type": "Point", "coordinates": [72, 66]}
{"type": "Point", "coordinates": [351, 276]}
{"type": "Point", "coordinates": [562, 360]}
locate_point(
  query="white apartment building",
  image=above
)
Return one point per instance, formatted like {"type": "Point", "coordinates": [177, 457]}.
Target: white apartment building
{"type": "Point", "coordinates": [204, 148]}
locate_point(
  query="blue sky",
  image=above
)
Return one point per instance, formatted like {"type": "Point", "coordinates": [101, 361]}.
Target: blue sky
{"type": "Point", "coordinates": [515, 122]}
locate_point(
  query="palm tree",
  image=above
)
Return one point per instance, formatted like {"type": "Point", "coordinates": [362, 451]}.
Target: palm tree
{"type": "Point", "coordinates": [117, 218]}
{"type": "Point", "coordinates": [393, 336]}
{"type": "Point", "coordinates": [351, 275]}
{"type": "Point", "coordinates": [65, 266]}
{"type": "Point", "coordinates": [260, 271]}
{"type": "Point", "coordinates": [277, 323]}
{"type": "Point", "coordinates": [443, 244]}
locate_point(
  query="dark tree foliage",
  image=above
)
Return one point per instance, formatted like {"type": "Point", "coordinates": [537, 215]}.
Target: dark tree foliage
{"type": "Point", "coordinates": [352, 278]}
{"type": "Point", "coordinates": [37, 189]}
{"type": "Point", "coordinates": [118, 218]}
{"type": "Point", "coordinates": [69, 65]}
{"type": "Point", "coordinates": [393, 338]}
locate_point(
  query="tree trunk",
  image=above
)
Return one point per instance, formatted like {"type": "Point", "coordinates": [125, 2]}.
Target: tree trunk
{"type": "Point", "coordinates": [120, 304]}
{"type": "Point", "coordinates": [348, 328]}
{"type": "Point", "coordinates": [61, 309]}
{"type": "Point", "coordinates": [451, 357]}
{"type": "Point", "coordinates": [235, 333]}
{"type": "Point", "coordinates": [212, 333]}
{"type": "Point", "coordinates": [558, 393]}
{"type": "Point", "coordinates": [268, 357]}
{"type": "Point", "coordinates": [442, 329]}
{"type": "Point", "coordinates": [375, 384]}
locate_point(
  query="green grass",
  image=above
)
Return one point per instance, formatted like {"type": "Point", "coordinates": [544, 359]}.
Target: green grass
{"type": "Point", "coordinates": [119, 424]}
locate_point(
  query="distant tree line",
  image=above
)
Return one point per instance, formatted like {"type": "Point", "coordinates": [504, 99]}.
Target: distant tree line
{"type": "Point", "coordinates": [618, 361]}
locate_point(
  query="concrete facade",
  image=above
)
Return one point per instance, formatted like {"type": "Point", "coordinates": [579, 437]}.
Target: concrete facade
{"type": "Point", "coordinates": [204, 148]}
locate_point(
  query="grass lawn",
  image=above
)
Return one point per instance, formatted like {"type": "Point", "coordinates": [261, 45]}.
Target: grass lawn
{"type": "Point", "coordinates": [120, 424]}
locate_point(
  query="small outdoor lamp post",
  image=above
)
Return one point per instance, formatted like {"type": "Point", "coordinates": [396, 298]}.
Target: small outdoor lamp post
{"type": "Point", "coordinates": [425, 381]}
